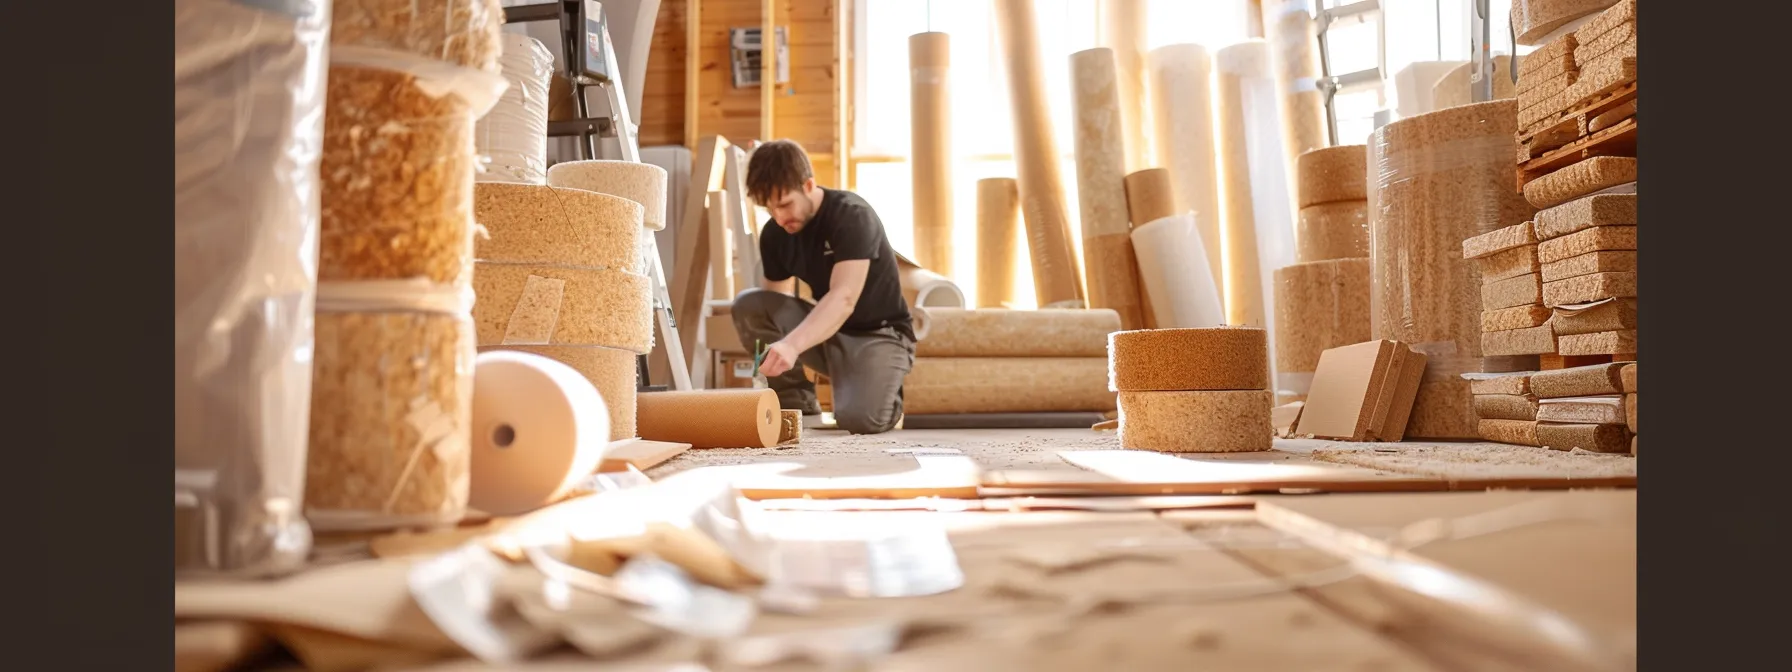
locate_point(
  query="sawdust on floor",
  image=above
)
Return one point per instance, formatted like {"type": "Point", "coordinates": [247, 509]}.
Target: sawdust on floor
{"type": "Point", "coordinates": [1467, 460]}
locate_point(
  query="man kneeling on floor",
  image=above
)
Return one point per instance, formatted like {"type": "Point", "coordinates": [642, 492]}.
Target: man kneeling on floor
{"type": "Point", "coordinates": [858, 332]}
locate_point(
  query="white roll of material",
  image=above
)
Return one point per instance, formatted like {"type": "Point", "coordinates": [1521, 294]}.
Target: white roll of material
{"type": "Point", "coordinates": [1182, 115]}
{"type": "Point", "coordinates": [513, 136]}
{"type": "Point", "coordinates": [1271, 200]}
{"type": "Point", "coordinates": [1173, 270]}
{"type": "Point", "coordinates": [538, 429]}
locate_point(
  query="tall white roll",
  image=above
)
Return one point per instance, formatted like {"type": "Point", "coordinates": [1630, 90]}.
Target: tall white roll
{"type": "Point", "coordinates": [513, 136]}
{"type": "Point", "coordinates": [1271, 200]}
{"type": "Point", "coordinates": [1182, 116]}
{"type": "Point", "coordinates": [1173, 269]}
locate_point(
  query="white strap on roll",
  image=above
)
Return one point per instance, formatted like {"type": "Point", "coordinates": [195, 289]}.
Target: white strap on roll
{"type": "Point", "coordinates": [514, 135]}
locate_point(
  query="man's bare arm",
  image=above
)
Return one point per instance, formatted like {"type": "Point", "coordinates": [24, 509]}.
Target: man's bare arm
{"type": "Point", "coordinates": [844, 285]}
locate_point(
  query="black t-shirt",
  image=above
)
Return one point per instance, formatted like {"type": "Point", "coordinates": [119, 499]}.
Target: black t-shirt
{"type": "Point", "coordinates": [844, 228]}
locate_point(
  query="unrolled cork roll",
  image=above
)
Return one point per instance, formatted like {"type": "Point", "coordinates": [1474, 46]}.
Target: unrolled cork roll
{"type": "Point", "coordinates": [461, 32]}
{"type": "Point", "coordinates": [1333, 231]}
{"type": "Point", "coordinates": [710, 418]}
{"type": "Point", "coordinates": [611, 370]}
{"type": "Point", "coordinates": [1196, 422]}
{"type": "Point", "coordinates": [1319, 305]}
{"type": "Point", "coordinates": [643, 183]}
{"type": "Point", "coordinates": [391, 402]}
{"type": "Point", "coordinates": [1007, 385]}
{"type": "Point", "coordinates": [957, 332]}
{"type": "Point", "coordinates": [1333, 174]}
{"type": "Point", "coordinates": [397, 170]}
{"type": "Point", "coordinates": [1221, 358]}
{"type": "Point", "coordinates": [539, 224]}
{"type": "Point", "coordinates": [526, 304]}
{"type": "Point", "coordinates": [998, 241]}
{"type": "Point", "coordinates": [1149, 196]}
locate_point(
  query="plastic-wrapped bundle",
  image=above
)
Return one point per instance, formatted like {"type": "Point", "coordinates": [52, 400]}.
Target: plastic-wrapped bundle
{"type": "Point", "coordinates": [245, 277]}
{"type": "Point", "coordinates": [514, 135]}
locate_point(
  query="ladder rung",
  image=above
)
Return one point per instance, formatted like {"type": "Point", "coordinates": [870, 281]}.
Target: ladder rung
{"type": "Point", "coordinates": [1326, 16]}
{"type": "Point", "coordinates": [602, 126]}
{"type": "Point", "coordinates": [1360, 80]}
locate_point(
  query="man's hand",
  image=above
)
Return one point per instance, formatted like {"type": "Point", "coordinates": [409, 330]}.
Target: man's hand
{"type": "Point", "coordinates": [779, 358]}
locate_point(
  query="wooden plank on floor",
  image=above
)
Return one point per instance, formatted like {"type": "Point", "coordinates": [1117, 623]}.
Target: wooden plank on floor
{"type": "Point", "coordinates": [1142, 472]}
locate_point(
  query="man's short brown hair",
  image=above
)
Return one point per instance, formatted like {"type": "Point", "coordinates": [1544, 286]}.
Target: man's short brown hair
{"type": "Point", "coordinates": [777, 167]}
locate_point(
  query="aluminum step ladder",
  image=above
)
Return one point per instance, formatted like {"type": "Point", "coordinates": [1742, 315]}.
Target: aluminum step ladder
{"type": "Point", "coordinates": [1370, 79]}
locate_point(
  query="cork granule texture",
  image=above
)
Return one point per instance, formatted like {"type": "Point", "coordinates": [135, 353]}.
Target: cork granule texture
{"type": "Point", "coordinates": [1600, 343]}
{"type": "Point", "coordinates": [1221, 358]}
{"type": "Point", "coordinates": [1630, 412]}
{"type": "Point", "coordinates": [1580, 179]}
{"type": "Point", "coordinates": [1443, 410]}
{"type": "Point", "coordinates": [598, 307]}
{"type": "Point", "coordinates": [1534, 19]}
{"type": "Point", "coordinates": [1627, 378]}
{"type": "Point", "coordinates": [1333, 231]}
{"type": "Point", "coordinates": [1319, 305]}
{"type": "Point", "coordinates": [1607, 261]}
{"type": "Point", "coordinates": [460, 32]}
{"type": "Point", "coordinates": [1508, 264]}
{"type": "Point", "coordinates": [610, 370]}
{"type": "Point", "coordinates": [643, 183]}
{"type": "Point", "coordinates": [1516, 384]}
{"type": "Point", "coordinates": [1506, 407]}
{"type": "Point", "coordinates": [1580, 381]}
{"type": "Point", "coordinates": [1611, 18]}
{"type": "Point", "coordinates": [1618, 36]}
{"type": "Point", "coordinates": [539, 224]}
{"type": "Point", "coordinates": [1601, 410]}
{"type": "Point", "coordinates": [391, 402]}
{"type": "Point", "coordinates": [1515, 432]}
{"type": "Point", "coordinates": [1499, 240]}
{"type": "Point", "coordinates": [1196, 422]}
{"type": "Point", "coordinates": [1523, 290]}
{"type": "Point", "coordinates": [1596, 239]}
{"type": "Point", "coordinates": [1604, 74]}
{"type": "Point", "coordinates": [1619, 315]}
{"type": "Point", "coordinates": [1007, 385]}
{"type": "Point", "coordinates": [1531, 341]}
{"type": "Point", "coordinates": [397, 171]}
{"type": "Point", "coordinates": [998, 332]}
{"type": "Point", "coordinates": [1332, 174]}
{"type": "Point", "coordinates": [1539, 68]}
{"type": "Point", "coordinates": [1537, 91]}
{"type": "Point", "coordinates": [1589, 288]}
{"type": "Point", "coordinates": [1595, 438]}
{"type": "Point", "coordinates": [1516, 317]}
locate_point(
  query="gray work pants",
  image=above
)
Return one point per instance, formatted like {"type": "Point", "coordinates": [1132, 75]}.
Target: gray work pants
{"type": "Point", "coordinates": [865, 368]}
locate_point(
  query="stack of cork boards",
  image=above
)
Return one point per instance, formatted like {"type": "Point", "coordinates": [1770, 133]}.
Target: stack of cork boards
{"type": "Point", "coordinates": [1506, 408]}
{"type": "Point", "coordinates": [1577, 101]}
{"type": "Point", "coordinates": [1322, 301]}
{"type": "Point", "coordinates": [1514, 321]}
{"type": "Point", "coordinates": [1582, 408]}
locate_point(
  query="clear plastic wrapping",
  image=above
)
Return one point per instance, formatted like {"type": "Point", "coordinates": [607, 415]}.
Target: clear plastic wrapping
{"type": "Point", "coordinates": [248, 102]}
{"type": "Point", "coordinates": [458, 32]}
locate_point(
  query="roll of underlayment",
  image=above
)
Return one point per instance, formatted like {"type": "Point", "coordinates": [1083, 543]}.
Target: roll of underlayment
{"type": "Point", "coordinates": [390, 409]}
{"type": "Point", "coordinates": [1535, 20]}
{"type": "Point", "coordinates": [1237, 68]}
{"type": "Point", "coordinates": [923, 288]}
{"type": "Point", "coordinates": [539, 224]}
{"type": "Point", "coordinates": [611, 370]}
{"type": "Point", "coordinates": [1057, 281]}
{"type": "Point", "coordinates": [1018, 333]}
{"type": "Point", "coordinates": [513, 136]}
{"type": "Point", "coordinates": [642, 183]}
{"type": "Point", "coordinates": [1149, 196]}
{"type": "Point", "coordinates": [710, 418]}
{"type": "Point", "coordinates": [1006, 385]}
{"type": "Point", "coordinates": [1196, 422]}
{"type": "Point", "coordinates": [528, 304]}
{"type": "Point", "coordinates": [998, 241]}
{"type": "Point", "coordinates": [1333, 231]}
{"type": "Point", "coordinates": [537, 429]}
{"type": "Point", "coordinates": [1220, 358]}
{"type": "Point", "coordinates": [1124, 26]}
{"type": "Point", "coordinates": [1294, 38]}
{"type": "Point", "coordinates": [1173, 271]}
{"type": "Point", "coordinates": [1319, 305]}
{"type": "Point", "coordinates": [1182, 117]}
{"type": "Point", "coordinates": [1109, 266]}
{"type": "Point", "coordinates": [930, 145]}
{"type": "Point", "coordinates": [1333, 174]}
{"type": "Point", "coordinates": [1443, 177]}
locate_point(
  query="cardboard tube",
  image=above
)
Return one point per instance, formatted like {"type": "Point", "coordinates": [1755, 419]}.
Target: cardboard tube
{"type": "Point", "coordinates": [1124, 24]}
{"type": "Point", "coordinates": [1056, 280]}
{"type": "Point", "coordinates": [1238, 224]}
{"type": "Point", "coordinates": [1173, 270]}
{"type": "Point", "coordinates": [1182, 112]}
{"type": "Point", "coordinates": [930, 143]}
{"type": "Point", "coordinates": [1149, 196]}
{"type": "Point", "coordinates": [710, 418]}
{"type": "Point", "coordinates": [1108, 261]}
{"type": "Point", "coordinates": [1293, 38]}
{"type": "Point", "coordinates": [998, 241]}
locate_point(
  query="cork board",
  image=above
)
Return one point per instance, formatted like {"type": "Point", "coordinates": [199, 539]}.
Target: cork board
{"type": "Point", "coordinates": [1611, 261]}
{"type": "Point", "coordinates": [1608, 315]}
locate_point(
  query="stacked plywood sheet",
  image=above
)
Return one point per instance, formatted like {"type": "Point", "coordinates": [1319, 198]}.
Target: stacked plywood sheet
{"type": "Point", "coordinates": [1192, 390]}
{"type": "Point", "coordinates": [1514, 320]}
{"type": "Point", "coordinates": [1322, 301]}
{"type": "Point", "coordinates": [1505, 407]}
{"type": "Point", "coordinates": [1588, 264]}
{"type": "Point", "coordinates": [1582, 408]}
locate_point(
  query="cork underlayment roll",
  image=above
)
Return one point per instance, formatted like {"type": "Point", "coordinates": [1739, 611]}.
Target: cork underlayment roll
{"type": "Point", "coordinates": [1174, 276]}
{"type": "Point", "coordinates": [611, 370]}
{"type": "Point", "coordinates": [538, 428]}
{"type": "Point", "coordinates": [1444, 177]}
{"type": "Point", "coordinates": [1017, 333]}
{"type": "Point", "coordinates": [1056, 279]}
{"type": "Point", "coordinates": [643, 183]}
{"type": "Point", "coordinates": [1124, 26]}
{"type": "Point", "coordinates": [1196, 422]}
{"type": "Point", "coordinates": [527, 304]}
{"type": "Point", "coordinates": [1182, 121]}
{"type": "Point", "coordinates": [513, 136]}
{"type": "Point", "coordinates": [998, 241]}
{"type": "Point", "coordinates": [1257, 229]}
{"type": "Point", "coordinates": [1333, 174]}
{"type": "Point", "coordinates": [1333, 231]}
{"type": "Point", "coordinates": [1109, 266]}
{"type": "Point", "coordinates": [460, 32]}
{"type": "Point", "coordinates": [1224, 358]}
{"type": "Point", "coordinates": [1295, 43]}
{"type": "Point", "coordinates": [1007, 385]}
{"type": "Point", "coordinates": [710, 418]}
{"type": "Point", "coordinates": [1319, 305]}
{"type": "Point", "coordinates": [390, 406]}
{"type": "Point", "coordinates": [930, 148]}
{"type": "Point", "coordinates": [1533, 20]}
{"type": "Point", "coordinates": [539, 224]}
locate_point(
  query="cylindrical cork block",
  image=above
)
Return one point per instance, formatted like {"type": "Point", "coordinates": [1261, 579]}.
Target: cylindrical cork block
{"type": "Point", "coordinates": [930, 148]}
{"type": "Point", "coordinates": [391, 209]}
{"type": "Point", "coordinates": [1333, 174]}
{"type": "Point", "coordinates": [1337, 230]}
{"type": "Point", "coordinates": [1220, 358]}
{"type": "Point", "coordinates": [539, 224]}
{"type": "Point", "coordinates": [458, 32]}
{"type": "Point", "coordinates": [1244, 280]}
{"type": "Point", "coordinates": [998, 241]}
{"type": "Point", "coordinates": [1108, 262]}
{"type": "Point", "coordinates": [1124, 27]}
{"type": "Point", "coordinates": [1319, 305]}
{"type": "Point", "coordinates": [391, 399]}
{"type": "Point", "coordinates": [526, 304]}
{"type": "Point", "coordinates": [1294, 37]}
{"type": "Point", "coordinates": [1182, 115]}
{"type": "Point", "coordinates": [610, 370]}
{"type": "Point", "coordinates": [1056, 279]}
{"type": "Point", "coordinates": [643, 183]}
{"type": "Point", "coordinates": [1196, 422]}
{"type": "Point", "coordinates": [1018, 333]}
{"type": "Point", "coordinates": [1006, 385]}
{"type": "Point", "coordinates": [710, 418]}
{"type": "Point", "coordinates": [1149, 196]}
